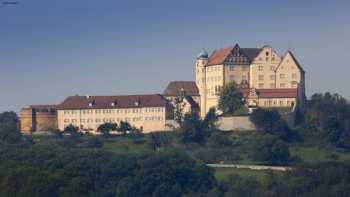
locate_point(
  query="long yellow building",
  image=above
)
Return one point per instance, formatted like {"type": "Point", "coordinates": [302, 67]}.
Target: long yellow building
{"type": "Point", "coordinates": [145, 112]}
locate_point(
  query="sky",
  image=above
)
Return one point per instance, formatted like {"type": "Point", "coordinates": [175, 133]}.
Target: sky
{"type": "Point", "coordinates": [51, 49]}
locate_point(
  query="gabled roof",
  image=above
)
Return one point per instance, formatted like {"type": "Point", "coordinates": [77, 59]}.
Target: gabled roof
{"type": "Point", "coordinates": [251, 53]}
{"type": "Point", "coordinates": [110, 102]}
{"type": "Point", "coordinates": [219, 56]}
{"type": "Point", "coordinates": [293, 58]}
{"type": "Point", "coordinates": [174, 88]}
{"type": "Point", "coordinates": [273, 93]}
{"type": "Point", "coordinates": [37, 107]}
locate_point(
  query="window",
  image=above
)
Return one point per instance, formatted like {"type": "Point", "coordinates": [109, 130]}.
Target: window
{"type": "Point", "coordinates": [272, 68]}
{"type": "Point", "coordinates": [270, 103]}
{"type": "Point", "coordinates": [232, 68]}
{"type": "Point", "coordinates": [261, 85]}
{"type": "Point", "coordinates": [82, 120]}
{"type": "Point", "coordinates": [244, 77]}
{"type": "Point", "coordinates": [294, 84]}
{"type": "Point", "coordinates": [267, 53]}
{"type": "Point", "coordinates": [272, 85]}
{"type": "Point", "coordinates": [261, 77]}
{"type": "Point", "coordinates": [282, 85]}
{"type": "Point", "coordinates": [281, 103]}
{"type": "Point", "coordinates": [272, 77]}
{"type": "Point", "coordinates": [261, 68]}
{"type": "Point", "coordinates": [66, 120]}
{"type": "Point", "coordinates": [294, 76]}
{"type": "Point", "coordinates": [282, 76]}
{"type": "Point", "coordinates": [244, 68]}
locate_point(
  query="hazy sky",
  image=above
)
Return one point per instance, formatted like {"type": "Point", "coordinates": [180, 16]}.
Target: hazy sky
{"type": "Point", "coordinates": [51, 49]}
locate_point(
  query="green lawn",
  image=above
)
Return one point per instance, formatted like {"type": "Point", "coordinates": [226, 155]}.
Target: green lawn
{"type": "Point", "coordinates": [316, 154]}
{"type": "Point", "coordinates": [224, 173]}
{"type": "Point", "coordinates": [243, 144]}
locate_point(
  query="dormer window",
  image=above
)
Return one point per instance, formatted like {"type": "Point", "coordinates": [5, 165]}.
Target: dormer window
{"type": "Point", "coordinates": [92, 103]}
{"type": "Point", "coordinates": [137, 103]}
{"type": "Point", "coordinates": [267, 53]}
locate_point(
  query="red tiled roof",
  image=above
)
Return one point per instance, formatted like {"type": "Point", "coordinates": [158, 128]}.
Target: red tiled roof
{"type": "Point", "coordinates": [174, 88]}
{"type": "Point", "coordinates": [219, 56]}
{"type": "Point", "coordinates": [105, 102]}
{"type": "Point", "coordinates": [273, 93]}
{"type": "Point", "coordinates": [37, 107]}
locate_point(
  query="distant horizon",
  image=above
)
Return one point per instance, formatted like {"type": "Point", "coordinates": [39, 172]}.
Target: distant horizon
{"type": "Point", "coordinates": [52, 50]}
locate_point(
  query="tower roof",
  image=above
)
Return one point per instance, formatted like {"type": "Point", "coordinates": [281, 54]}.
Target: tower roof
{"type": "Point", "coordinates": [203, 54]}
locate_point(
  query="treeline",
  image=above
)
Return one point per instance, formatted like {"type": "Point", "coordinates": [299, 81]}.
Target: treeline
{"type": "Point", "coordinates": [57, 171]}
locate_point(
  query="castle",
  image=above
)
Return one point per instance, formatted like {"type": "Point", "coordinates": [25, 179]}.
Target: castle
{"type": "Point", "coordinates": [265, 79]}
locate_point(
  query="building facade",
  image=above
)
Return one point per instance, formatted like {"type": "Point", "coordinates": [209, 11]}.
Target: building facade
{"type": "Point", "coordinates": [38, 118]}
{"type": "Point", "coordinates": [145, 112]}
{"type": "Point", "coordinates": [261, 72]}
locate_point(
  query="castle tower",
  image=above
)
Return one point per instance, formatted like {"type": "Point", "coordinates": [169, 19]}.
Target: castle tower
{"type": "Point", "coordinates": [201, 62]}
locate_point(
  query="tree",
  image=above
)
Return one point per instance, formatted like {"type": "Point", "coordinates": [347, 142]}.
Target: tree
{"type": "Point", "coordinates": [264, 119]}
{"type": "Point", "coordinates": [230, 98]}
{"type": "Point", "coordinates": [9, 131]}
{"type": "Point", "coordinates": [270, 121]}
{"type": "Point", "coordinates": [328, 114]}
{"type": "Point", "coordinates": [271, 150]}
{"type": "Point", "coordinates": [71, 129]}
{"type": "Point", "coordinates": [124, 127]}
{"type": "Point", "coordinates": [192, 130]}
{"type": "Point", "coordinates": [158, 139]}
{"type": "Point", "coordinates": [209, 122]}
{"type": "Point", "coordinates": [179, 109]}
{"type": "Point", "coordinates": [106, 128]}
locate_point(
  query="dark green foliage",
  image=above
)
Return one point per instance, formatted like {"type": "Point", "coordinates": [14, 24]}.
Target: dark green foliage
{"type": "Point", "coordinates": [329, 116]}
{"type": "Point", "coordinates": [106, 128]}
{"type": "Point", "coordinates": [167, 174]}
{"type": "Point", "coordinates": [270, 121]}
{"type": "Point", "coordinates": [71, 129]}
{"type": "Point", "coordinates": [95, 142]}
{"type": "Point", "coordinates": [230, 99]}
{"type": "Point", "coordinates": [56, 171]}
{"type": "Point", "coordinates": [124, 127]}
{"type": "Point", "coordinates": [209, 122]}
{"type": "Point", "coordinates": [9, 128]}
{"type": "Point", "coordinates": [159, 139]}
{"type": "Point", "coordinates": [192, 130]}
{"type": "Point", "coordinates": [219, 140]}
{"type": "Point", "coordinates": [271, 150]}
{"type": "Point", "coordinates": [236, 186]}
